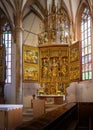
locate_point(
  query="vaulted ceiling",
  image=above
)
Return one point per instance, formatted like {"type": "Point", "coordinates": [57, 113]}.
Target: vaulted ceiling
{"type": "Point", "coordinates": [11, 7]}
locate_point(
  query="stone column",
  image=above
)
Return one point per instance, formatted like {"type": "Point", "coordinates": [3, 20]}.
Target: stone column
{"type": "Point", "coordinates": [18, 40]}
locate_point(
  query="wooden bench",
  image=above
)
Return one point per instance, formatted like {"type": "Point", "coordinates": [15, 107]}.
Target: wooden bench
{"type": "Point", "coordinates": [61, 117]}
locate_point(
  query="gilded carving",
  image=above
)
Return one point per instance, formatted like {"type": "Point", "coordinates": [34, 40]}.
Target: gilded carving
{"type": "Point", "coordinates": [57, 27]}
{"type": "Point", "coordinates": [30, 63]}
{"type": "Point", "coordinates": [64, 68]}
{"type": "Point", "coordinates": [74, 52]}
{"type": "Point", "coordinates": [54, 68]}
{"type": "Point", "coordinates": [30, 56]}
{"type": "Point", "coordinates": [30, 72]}
{"type": "Point", "coordinates": [74, 71]}
{"type": "Point", "coordinates": [57, 68]}
{"type": "Point", "coordinates": [74, 67]}
{"type": "Point", "coordinates": [44, 68]}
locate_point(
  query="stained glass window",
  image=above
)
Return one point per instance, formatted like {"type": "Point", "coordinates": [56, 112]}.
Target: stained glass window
{"type": "Point", "coordinates": [86, 45]}
{"type": "Point", "coordinates": [7, 40]}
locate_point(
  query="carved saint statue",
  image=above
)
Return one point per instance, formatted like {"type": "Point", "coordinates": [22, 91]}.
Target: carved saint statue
{"type": "Point", "coordinates": [54, 68]}
{"type": "Point", "coordinates": [53, 36]}
{"type": "Point", "coordinates": [44, 68]}
{"type": "Point", "coordinates": [45, 38]}
{"type": "Point", "coordinates": [64, 67]}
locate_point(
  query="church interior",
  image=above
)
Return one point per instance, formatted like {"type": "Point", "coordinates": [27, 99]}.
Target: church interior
{"type": "Point", "coordinates": [46, 68]}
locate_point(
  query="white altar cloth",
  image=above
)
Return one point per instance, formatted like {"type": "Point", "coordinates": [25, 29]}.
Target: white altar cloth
{"type": "Point", "coordinates": [7, 107]}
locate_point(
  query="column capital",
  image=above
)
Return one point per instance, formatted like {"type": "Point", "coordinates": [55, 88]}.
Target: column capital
{"type": "Point", "coordinates": [18, 28]}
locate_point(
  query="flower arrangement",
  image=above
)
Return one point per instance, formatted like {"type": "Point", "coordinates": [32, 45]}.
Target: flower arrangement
{"type": "Point", "coordinates": [41, 92]}
{"type": "Point", "coordinates": [59, 92]}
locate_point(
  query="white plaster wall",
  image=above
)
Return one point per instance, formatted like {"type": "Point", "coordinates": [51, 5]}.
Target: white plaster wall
{"type": "Point", "coordinates": [71, 92]}
{"type": "Point", "coordinates": [29, 89]}
{"type": "Point", "coordinates": [32, 24]}
{"type": "Point", "coordinates": [80, 92]}
{"type": "Point", "coordinates": [85, 92]}
{"type": "Point", "coordinates": [10, 90]}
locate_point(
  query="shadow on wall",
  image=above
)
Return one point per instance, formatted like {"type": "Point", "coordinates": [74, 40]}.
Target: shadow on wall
{"type": "Point", "coordinates": [85, 92]}
{"type": "Point", "coordinates": [29, 89]}
{"type": "Point", "coordinates": [80, 92]}
{"type": "Point", "coordinates": [72, 92]}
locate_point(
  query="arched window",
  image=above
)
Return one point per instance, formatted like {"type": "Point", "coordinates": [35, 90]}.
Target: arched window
{"type": "Point", "coordinates": [7, 40]}
{"type": "Point", "coordinates": [86, 46]}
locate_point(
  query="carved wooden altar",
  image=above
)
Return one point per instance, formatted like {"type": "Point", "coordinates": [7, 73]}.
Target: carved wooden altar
{"type": "Point", "coordinates": [59, 65]}
{"type": "Point", "coordinates": [54, 71]}
{"type": "Point", "coordinates": [59, 58]}
{"type": "Point", "coordinates": [30, 64]}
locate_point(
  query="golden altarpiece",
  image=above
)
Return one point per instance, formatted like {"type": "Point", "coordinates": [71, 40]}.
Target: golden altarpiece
{"type": "Point", "coordinates": [58, 60]}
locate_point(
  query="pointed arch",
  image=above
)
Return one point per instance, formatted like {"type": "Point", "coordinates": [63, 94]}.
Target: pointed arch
{"type": "Point", "coordinates": [82, 5]}
{"type": "Point", "coordinates": [63, 5]}
{"type": "Point", "coordinates": [84, 34]}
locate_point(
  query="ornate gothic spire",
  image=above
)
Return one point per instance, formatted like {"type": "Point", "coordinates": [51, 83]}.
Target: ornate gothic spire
{"type": "Point", "coordinates": [61, 3]}
{"type": "Point", "coordinates": [53, 6]}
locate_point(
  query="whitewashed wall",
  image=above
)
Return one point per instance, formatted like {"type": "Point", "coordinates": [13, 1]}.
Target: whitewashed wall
{"type": "Point", "coordinates": [85, 92]}
{"type": "Point", "coordinates": [29, 89]}
{"type": "Point", "coordinates": [71, 92]}
{"type": "Point", "coordinates": [80, 92]}
{"type": "Point", "coordinates": [32, 25]}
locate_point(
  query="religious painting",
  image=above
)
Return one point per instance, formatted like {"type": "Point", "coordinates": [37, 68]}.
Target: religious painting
{"type": "Point", "coordinates": [74, 52]}
{"type": "Point", "coordinates": [30, 72]}
{"type": "Point", "coordinates": [74, 67]}
{"type": "Point", "coordinates": [30, 63]}
{"type": "Point", "coordinates": [74, 71]}
{"type": "Point", "coordinates": [30, 55]}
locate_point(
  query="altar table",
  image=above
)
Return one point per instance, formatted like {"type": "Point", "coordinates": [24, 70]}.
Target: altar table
{"type": "Point", "coordinates": [10, 116]}
{"type": "Point", "coordinates": [58, 99]}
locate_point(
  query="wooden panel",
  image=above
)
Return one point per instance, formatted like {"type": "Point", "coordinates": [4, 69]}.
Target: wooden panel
{"type": "Point", "coordinates": [2, 120]}
{"type": "Point", "coordinates": [10, 117]}
{"type": "Point", "coordinates": [74, 59]}
{"type": "Point", "coordinates": [14, 118]}
{"type": "Point", "coordinates": [54, 71]}
{"type": "Point", "coordinates": [30, 64]}
{"type": "Point", "coordinates": [86, 115]}
{"type": "Point", "coordinates": [58, 100]}
{"type": "Point", "coordinates": [38, 107]}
